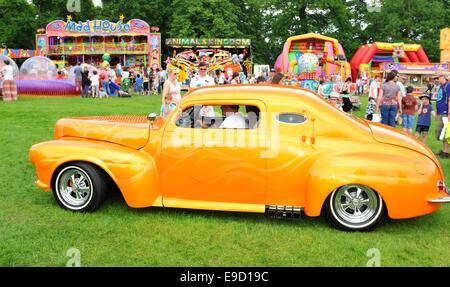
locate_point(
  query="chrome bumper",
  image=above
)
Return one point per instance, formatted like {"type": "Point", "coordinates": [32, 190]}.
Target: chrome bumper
{"type": "Point", "coordinates": [442, 199]}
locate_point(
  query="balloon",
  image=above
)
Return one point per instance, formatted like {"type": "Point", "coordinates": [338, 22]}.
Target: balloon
{"type": "Point", "coordinates": [38, 68]}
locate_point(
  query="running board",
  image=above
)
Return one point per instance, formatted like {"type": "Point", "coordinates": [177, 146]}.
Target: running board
{"type": "Point", "coordinates": [283, 212]}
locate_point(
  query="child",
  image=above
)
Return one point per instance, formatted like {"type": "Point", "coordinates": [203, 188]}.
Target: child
{"type": "Point", "coordinates": [409, 107]}
{"type": "Point", "coordinates": [139, 84]}
{"type": "Point", "coordinates": [95, 84]}
{"type": "Point", "coordinates": [168, 107]}
{"type": "Point", "coordinates": [424, 118]}
{"type": "Point", "coordinates": [102, 93]}
{"type": "Point", "coordinates": [334, 100]}
{"type": "Point", "coordinates": [371, 107]}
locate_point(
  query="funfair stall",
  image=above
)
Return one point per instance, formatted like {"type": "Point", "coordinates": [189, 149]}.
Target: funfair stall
{"type": "Point", "coordinates": [129, 43]}
{"type": "Point", "coordinates": [228, 55]}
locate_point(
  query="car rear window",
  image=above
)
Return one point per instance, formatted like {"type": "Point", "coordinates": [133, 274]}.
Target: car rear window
{"type": "Point", "coordinates": [291, 118]}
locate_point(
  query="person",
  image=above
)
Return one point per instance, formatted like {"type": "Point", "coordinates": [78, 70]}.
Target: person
{"type": "Point", "coordinates": [202, 79]}
{"type": "Point", "coordinates": [102, 93]}
{"type": "Point", "coordinates": [401, 84]}
{"type": "Point", "coordinates": [95, 84]}
{"type": "Point", "coordinates": [9, 89]}
{"type": "Point", "coordinates": [253, 116]}
{"type": "Point", "coordinates": [375, 87]}
{"type": "Point", "coordinates": [260, 80]}
{"type": "Point", "coordinates": [155, 88]}
{"type": "Point", "coordinates": [171, 97]}
{"type": "Point", "coordinates": [106, 77]}
{"type": "Point", "coordinates": [277, 79]}
{"type": "Point", "coordinates": [234, 119]}
{"type": "Point", "coordinates": [409, 107]}
{"type": "Point", "coordinates": [424, 118]}
{"type": "Point", "coordinates": [236, 79]}
{"type": "Point", "coordinates": [334, 101]}
{"type": "Point", "coordinates": [139, 84]}
{"type": "Point", "coordinates": [389, 100]}
{"type": "Point", "coordinates": [442, 108]}
{"type": "Point", "coordinates": [360, 85]}
{"type": "Point", "coordinates": [85, 83]}
{"type": "Point", "coordinates": [320, 89]}
{"type": "Point", "coordinates": [345, 92]}
{"type": "Point", "coordinates": [162, 79]}
{"type": "Point", "coordinates": [221, 78]}
{"type": "Point", "coordinates": [146, 82]}
{"type": "Point", "coordinates": [371, 108]}
{"type": "Point", "coordinates": [78, 76]}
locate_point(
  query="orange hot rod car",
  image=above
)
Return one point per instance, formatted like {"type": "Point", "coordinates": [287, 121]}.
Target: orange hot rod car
{"type": "Point", "coordinates": [279, 150]}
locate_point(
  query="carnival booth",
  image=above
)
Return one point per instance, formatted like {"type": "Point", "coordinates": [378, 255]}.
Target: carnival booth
{"type": "Point", "coordinates": [420, 76]}
{"type": "Point", "coordinates": [228, 55]}
{"type": "Point", "coordinates": [129, 43]}
{"type": "Point", "coordinates": [369, 59]}
{"type": "Point", "coordinates": [311, 57]}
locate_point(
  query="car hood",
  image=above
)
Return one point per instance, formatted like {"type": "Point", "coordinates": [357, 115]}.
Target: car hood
{"type": "Point", "coordinates": [389, 135]}
{"type": "Point", "coordinates": [130, 131]}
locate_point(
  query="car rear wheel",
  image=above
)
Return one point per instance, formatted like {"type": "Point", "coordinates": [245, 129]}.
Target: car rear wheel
{"type": "Point", "coordinates": [80, 187]}
{"type": "Point", "coordinates": [355, 208]}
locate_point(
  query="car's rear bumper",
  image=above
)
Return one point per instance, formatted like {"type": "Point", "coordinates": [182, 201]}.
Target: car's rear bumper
{"type": "Point", "coordinates": [441, 199]}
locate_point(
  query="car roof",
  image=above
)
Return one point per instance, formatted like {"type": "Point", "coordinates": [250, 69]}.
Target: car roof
{"type": "Point", "coordinates": [267, 92]}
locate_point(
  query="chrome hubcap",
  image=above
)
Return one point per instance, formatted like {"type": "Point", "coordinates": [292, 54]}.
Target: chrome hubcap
{"type": "Point", "coordinates": [355, 204]}
{"type": "Point", "coordinates": [74, 186]}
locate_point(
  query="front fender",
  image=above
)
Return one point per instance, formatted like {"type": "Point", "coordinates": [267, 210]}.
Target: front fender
{"type": "Point", "coordinates": [404, 181]}
{"type": "Point", "coordinates": [133, 171]}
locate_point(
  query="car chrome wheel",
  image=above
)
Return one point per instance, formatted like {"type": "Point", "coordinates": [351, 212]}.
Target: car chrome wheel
{"type": "Point", "coordinates": [355, 207]}
{"type": "Point", "coordinates": [74, 187]}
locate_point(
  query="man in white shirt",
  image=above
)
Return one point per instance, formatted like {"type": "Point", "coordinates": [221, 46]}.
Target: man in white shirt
{"type": "Point", "coordinates": [202, 79]}
{"type": "Point", "coordinates": [233, 120]}
{"type": "Point", "coordinates": [374, 87]}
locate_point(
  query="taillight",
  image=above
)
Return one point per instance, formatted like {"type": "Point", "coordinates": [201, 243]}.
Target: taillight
{"type": "Point", "coordinates": [441, 185]}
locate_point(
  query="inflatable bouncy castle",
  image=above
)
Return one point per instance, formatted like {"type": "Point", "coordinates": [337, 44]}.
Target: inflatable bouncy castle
{"type": "Point", "coordinates": [311, 57]}
{"type": "Point", "coordinates": [369, 58]}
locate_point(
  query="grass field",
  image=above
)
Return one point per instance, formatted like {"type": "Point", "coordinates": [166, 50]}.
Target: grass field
{"type": "Point", "coordinates": [34, 231]}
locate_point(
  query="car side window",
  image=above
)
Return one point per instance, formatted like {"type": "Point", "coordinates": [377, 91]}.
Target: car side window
{"type": "Point", "coordinates": [219, 117]}
{"type": "Point", "coordinates": [291, 118]}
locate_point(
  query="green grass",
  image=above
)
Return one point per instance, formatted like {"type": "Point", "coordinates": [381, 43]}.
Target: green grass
{"type": "Point", "coordinates": [34, 231]}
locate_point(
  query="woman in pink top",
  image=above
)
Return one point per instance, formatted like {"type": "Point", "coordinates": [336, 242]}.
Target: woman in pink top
{"type": "Point", "coordinates": [171, 97]}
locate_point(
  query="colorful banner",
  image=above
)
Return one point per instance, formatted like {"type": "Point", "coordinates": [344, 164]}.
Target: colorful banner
{"type": "Point", "coordinates": [207, 42]}
{"type": "Point", "coordinates": [97, 27]}
{"type": "Point", "coordinates": [416, 67]}
{"type": "Point", "coordinates": [18, 53]}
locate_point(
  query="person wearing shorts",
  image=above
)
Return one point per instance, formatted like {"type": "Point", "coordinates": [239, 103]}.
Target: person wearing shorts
{"type": "Point", "coordinates": [409, 107]}
{"type": "Point", "coordinates": [442, 108]}
{"type": "Point", "coordinates": [424, 118]}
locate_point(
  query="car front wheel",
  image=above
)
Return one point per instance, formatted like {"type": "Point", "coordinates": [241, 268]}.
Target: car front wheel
{"type": "Point", "coordinates": [80, 187]}
{"type": "Point", "coordinates": [355, 208]}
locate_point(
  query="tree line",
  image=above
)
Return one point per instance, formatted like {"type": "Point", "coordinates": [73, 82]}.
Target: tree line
{"type": "Point", "coordinates": [268, 23]}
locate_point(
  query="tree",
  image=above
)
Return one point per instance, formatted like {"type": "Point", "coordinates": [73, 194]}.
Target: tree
{"type": "Point", "coordinates": [418, 21]}
{"type": "Point", "coordinates": [204, 18]}
{"type": "Point", "coordinates": [17, 24]}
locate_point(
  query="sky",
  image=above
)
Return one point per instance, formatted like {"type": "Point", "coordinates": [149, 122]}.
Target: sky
{"type": "Point", "coordinates": [97, 2]}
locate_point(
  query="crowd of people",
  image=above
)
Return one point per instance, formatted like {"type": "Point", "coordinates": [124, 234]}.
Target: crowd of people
{"type": "Point", "coordinates": [105, 81]}
{"type": "Point", "coordinates": [395, 104]}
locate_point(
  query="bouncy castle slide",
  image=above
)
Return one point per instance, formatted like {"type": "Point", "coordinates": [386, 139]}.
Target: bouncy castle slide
{"type": "Point", "coordinates": [385, 52]}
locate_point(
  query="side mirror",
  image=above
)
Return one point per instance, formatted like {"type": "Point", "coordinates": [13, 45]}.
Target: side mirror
{"type": "Point", "coordinates": [152, 117]}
